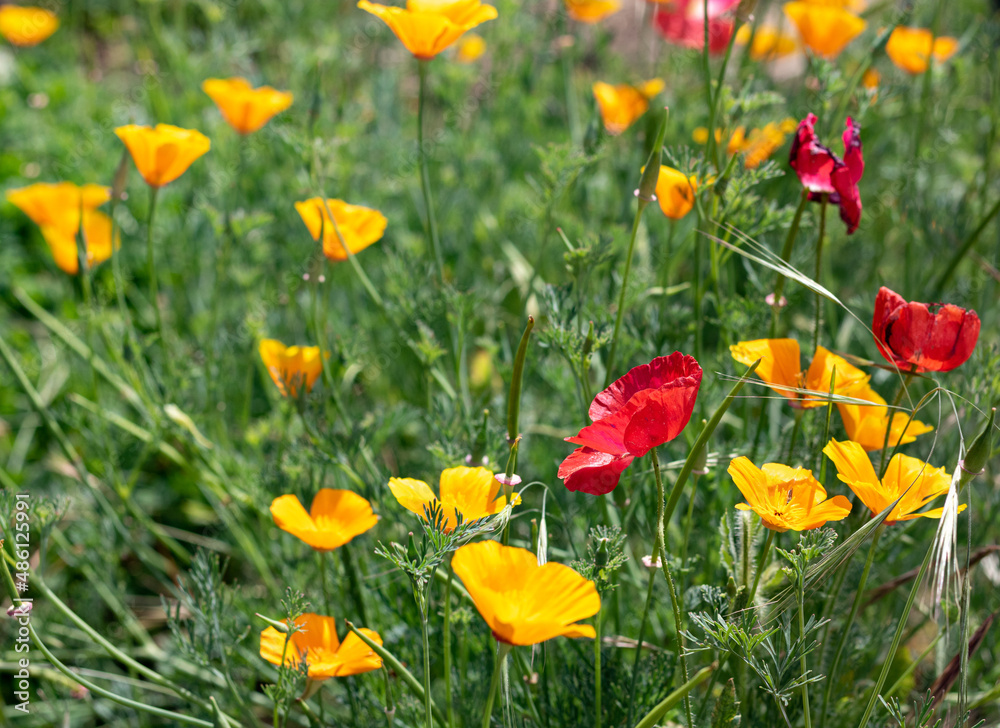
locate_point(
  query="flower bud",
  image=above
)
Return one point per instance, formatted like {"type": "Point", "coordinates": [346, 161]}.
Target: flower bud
{"type": "Point", "coordinates": [601, 557]}
{"type": "Point", "coordinates": [975, 459]}
{"type": "Point", "coordinates": [651, 172]}
{"type": "Point", "coordinates": [280, 626]}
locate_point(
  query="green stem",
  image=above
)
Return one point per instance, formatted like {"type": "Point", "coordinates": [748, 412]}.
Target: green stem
{"type": "Point", "coordinates": [761, 561]}
{"type": "Point", "coordinates": [706, 432]}
{"type": "Point", "coordinates": [653, 717]}
{"type": "Point", "coordinates": [448, 705]}
{"type": "Point", "coordinates": [714, 98]}
{"type": "Point", "coordinates": [882, 465]}
{"type": "Point", "coordinates": [786, 253]}
{"type": "Point", "coordinates": [642, 633]}
{"type": "Point", "coordinates": [962, 250]}
{"type": "Point", "coordinates": [398, 668]}
{"type": "Point", "coordinates": [900, 627]}
{"type": "Point", "coordinates": [621, 296]}
{"type": "Point", "coordinates": [502, 649]}
{"type": "Point", "coordinates": [675, 603]}
{"type": "Point", "coordinates": [16, 600]}
{"type": "Point", "coordinates": [597, 670]}
{"type": "Point", "coordinates": [422, 603]}
{"type": "Point", "coordinates": [819, 263]}
{"type": "Point", "coordinates": [151, 266]}
{"type": "Point", "coordinates": [842, 641]}
{"type": "Point", "coordinates": [803, 662]}
{"type": "Point", "coordinates": [425, 183]}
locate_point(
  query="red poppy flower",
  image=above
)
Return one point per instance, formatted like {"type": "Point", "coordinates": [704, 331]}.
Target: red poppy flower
{"type": "Point", "coordinates": [824, 173]}
{"type": "Point", "coordinates": [647, 407]}
{"type": "Point", "coordinates": [910, 334]}
{"type": "Point", "coordinates": [682, 22]}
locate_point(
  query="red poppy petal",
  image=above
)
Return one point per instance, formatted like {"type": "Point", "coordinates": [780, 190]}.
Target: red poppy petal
{"type": "Point", "coordinates": [605, 436]}
{"type": "Point", "coordinates": [658, 373]}
{"type": "Point", "coordinates": [848, 198]}
{"type": "Point", "coordinates": [592, 472]}
{"type": "Point", "coordinates": [853, 157]}
{"type": "Point", "coordinates": [812, 162]}
{"type": "Point", "coordinates": [910, 334]}
{"type": "Point", "coordinates": [659, 416]}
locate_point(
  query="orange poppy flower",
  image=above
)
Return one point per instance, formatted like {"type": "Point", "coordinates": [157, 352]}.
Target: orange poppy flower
{"type": "Point", "coordinates": [825, 29]}
{"type": "Point", "coordinates": [26, 26]}
{"type": "Point", "coordinates": [785, 498]}
{"type": "Point", "coordinates": [621, 105]}
{"type": "Point", "coordinates": [56, 209]}
{"type": "Point", "coordinates": [164, 152]}
{"type": "Point", "coordinates": [779, 364]}
{"type": "Point", "coordinates": [866, 425]}
{"type": "Point", "coordinates": [334, 518]}
{"type": "Point", "coordinates": [675, 192]}
{"type": "Point", "coordinates": [427, 27]}
{"type": "Point", "coordinates": [246, 109]}
{"type": "Point", "coordinates": [470, 49]}
{"type": "Point", "coordinates": [522, 602]}
{"type": "Point", "coordinates": [920, 481]}
{"type": "Point", "coordinates": [769, 43]}
{"type": "Point", "coordinates": [592, 11]}
{"type": "Point", "coordinates": [316, 643]}
{"type": "Point", "coordinates": [359, 226]}
{"type": "Point", "coordinates": [473, 492]}
{"type": "Point", "coordinates": [291, 366]}
{"type": "Point", "coordinates": [911, 48]}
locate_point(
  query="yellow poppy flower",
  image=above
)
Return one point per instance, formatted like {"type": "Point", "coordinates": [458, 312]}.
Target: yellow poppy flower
{"type": "Point", "coordinates": [164, 152]}
{"type": "Point", "coordinates": [780, 365]}
{"type": "Point", "coordinates": [769, 43]}
{"type": "Point", "coordinates": [359, 226]}
{"type": "Point", "coordinates": [762, 143]}
{"type": "Point", "coordinates": [785, 498]}
{"type": "Point", "coordinates": [621, 105]}
{"type": "Point", "coordinates": [473, 492]}
{"type": "Point", "coordinates": [675, 192]}
{"type": "Point", "coordinates": [825, 29]}
{"type": "Point", "coordinates": [291, 366]}
{"type": "Point", "coordinates": [427, 27]}
{"type": "Point", "coordinates": [522, 602]}
{"type": "Point", "coordinates": [26, 26]}
{"type": "Point", "coordinates": [246, 109]}
{"type": "Point", "coordinates": [871, 79]}
{"type": "Point", "coordinates": [471, 48]}
{"type": "Point", "coordinates": [910, 48]}
{"type": "Point", "coordinates": [56, 209]}
{"type": "Point", "coordinates": [866, 425]}
{"type": "Point", "coordinates": [920, 481]}
{"type": "Point", "coordinates": [334, 518]}
{"type": "Point", "coordinates": [316, 643]}
{"type": "Point", "coordinates": [591, 11]}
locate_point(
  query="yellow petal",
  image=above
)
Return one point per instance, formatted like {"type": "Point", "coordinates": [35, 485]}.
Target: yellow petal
{"type": "Point", "coordinates": [164, 152]}
{"type": "Point", "coordinates": [245, 108]}
{"type": "Point", "coordinates": [826, 30]}
{"type": "Point", "coordinates": [26, 26]}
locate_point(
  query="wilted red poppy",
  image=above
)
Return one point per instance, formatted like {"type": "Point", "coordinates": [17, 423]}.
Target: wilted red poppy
{"type": "Point", "coordinates": [682, 22]}
{"type": "Point", "coordinates": [910, 334]}
{"type": "Point", "coordinates": [647, 407]}
{"type": "Point", "coordinates": [824, 173]}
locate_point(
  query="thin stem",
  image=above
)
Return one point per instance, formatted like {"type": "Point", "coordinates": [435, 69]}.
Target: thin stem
{"type": "Point", "coordinates": [803, 662]}
{"type": "Point", "coordinates": [761, 560]}
{"type": "Point", "coordinates": [819, 263]}
{"type": "Point", "coordinates": [448, 706]}
{"type": "Point", "coordinates": [621, 297]}
{"type": "Point", "coordinates": [151, 266]}
{"type": "Point", "coordinates": [896, 639]}
{"type": "Point", "coordinates": [882, 465]}
{"type": "Point", "coordinates": [678, 624]}
{"type": "Point", "coordinates": [597, 670]}
{"type": "Point", "coordinates": [642, 632]}
{"type": "Point", "coordinates": [842, 641]}
{"type": "Point", "coordinates": [425, 183]}
{"type": "Point", "coordinates": [502, 649]}
{"type": "Point", "coordinates": [786, 253]}
{"type": "Point", "coordinates": [422, 603]}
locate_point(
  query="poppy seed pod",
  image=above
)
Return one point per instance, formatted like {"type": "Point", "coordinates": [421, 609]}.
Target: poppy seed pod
{"type": "Point", "coordinates": [978, 455]}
